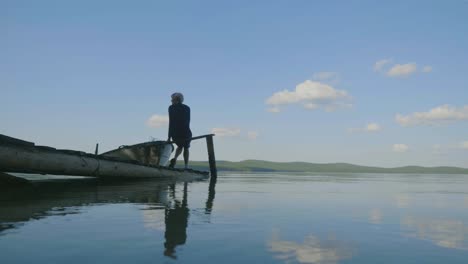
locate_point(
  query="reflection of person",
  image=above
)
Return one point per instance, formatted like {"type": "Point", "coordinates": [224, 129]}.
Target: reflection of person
{"type": "Point", "coordinates": [176, 220]}
{"type": "Point", "coordinates": [179, 127]}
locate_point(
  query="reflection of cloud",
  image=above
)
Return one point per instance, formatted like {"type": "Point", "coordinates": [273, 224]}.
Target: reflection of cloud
{"type": "Point", "coordinates": [154, 219]}
{"type": "Point", "coordinates": [402, 200]}
{"type": "Point", "coordinates": [375, 216]}
{"type": "Point", "coordinates": [444, 233]}
{"type": "Point", "coordinates": [310, 251]}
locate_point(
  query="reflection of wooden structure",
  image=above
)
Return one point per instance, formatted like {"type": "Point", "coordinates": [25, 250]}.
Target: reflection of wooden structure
{"type": "Point", "coordinates": [144, 160]}
{"type": "Point", "coordinates": [41, 199]}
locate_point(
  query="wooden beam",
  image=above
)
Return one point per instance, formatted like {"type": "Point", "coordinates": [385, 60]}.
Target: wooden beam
{"type": "Point", "coordinates": [195, 138]}
{"type": "Point", "coordinates": [211, 156]}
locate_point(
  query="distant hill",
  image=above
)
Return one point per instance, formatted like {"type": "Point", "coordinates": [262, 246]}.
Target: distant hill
{"type": "Point", "coordinates": [268, 166]}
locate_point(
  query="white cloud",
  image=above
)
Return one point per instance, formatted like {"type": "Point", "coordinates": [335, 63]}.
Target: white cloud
{"type": "Point", "coordinates": [402, 70]}
{"type": "Point", "coordinates": [157, 121]}
{"type": "Point", "coordinates": [252, 135]}
{"type": "Point", "coordinates": [274, 109]}
{"type": "Point", "coordinates": [437, 115]}
{"type": "Point", "coordinates": [226, 132]}
{"type": "Point", "coordinates": [325, 76]}
{"type": "Point", "coordinates": [371, 127]}
{"type": "Point", "coordinates": [464, 145]}
{"type": "Point", "coordinates": [379, 65]}
{"type": "Point", "coordinates": [426, 69]}
{"type": "Point", "coordinates": [310, 94]}
{"type": "Point", "coordinates": [400, 148]}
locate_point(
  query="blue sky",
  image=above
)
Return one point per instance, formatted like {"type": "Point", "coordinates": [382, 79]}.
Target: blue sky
{"type": "Point", "coordinates": [74, 73]}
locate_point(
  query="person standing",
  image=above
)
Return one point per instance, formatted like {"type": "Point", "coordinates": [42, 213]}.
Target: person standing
{"type": "Point", "coordinates": [179, 127]}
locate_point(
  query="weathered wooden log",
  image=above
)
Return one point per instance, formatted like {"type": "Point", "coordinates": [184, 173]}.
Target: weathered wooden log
{"type": "Point", "coordinates": [50, 161]}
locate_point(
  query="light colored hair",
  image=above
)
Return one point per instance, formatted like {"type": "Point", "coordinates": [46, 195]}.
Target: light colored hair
{"type": "Point", "coordinates": [178, 97]}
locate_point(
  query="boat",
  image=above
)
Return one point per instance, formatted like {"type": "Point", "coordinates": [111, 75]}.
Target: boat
{"type": "Point", "coordinates": [156, 153]}
{"type": "Point", "coordinates": [143, 160]}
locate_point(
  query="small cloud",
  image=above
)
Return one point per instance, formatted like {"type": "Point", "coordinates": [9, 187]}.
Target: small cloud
{"type": "Point", "coordinates": [402, 70]}
{"type": "Point", "coordinates": [464, 145]}
{"type": "Point", "coordinates": [274, 109]}
{"type": "Point", "coordinates": [435, 116]}
{"type": "Point", "coordinates": [325, 76]}
{"type": "Point", "coordinates": [226, 132]}
{"type": "Point", "coordinates": [379, 65]}
{"type": "Point", "coordinates": [252, 135]}
{"type": "Point", "coordinates": [400, 148]}
{"type": "Point", "coordinates": [309, 94]}
{"type": "Point", "coordinates": [371, 127]}
{"type": "Point", "coordinates": [426, 69]}
{"type": "Point", "coordinates": [399, 70]}
{"type": "Point", "coordinates": [157, 121]}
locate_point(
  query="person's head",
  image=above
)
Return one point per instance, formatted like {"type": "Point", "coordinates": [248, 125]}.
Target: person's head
{"type": "Point", "coordinates": [177, 98]}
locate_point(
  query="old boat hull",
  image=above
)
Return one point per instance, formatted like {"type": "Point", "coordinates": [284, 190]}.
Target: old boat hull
{"type": "Point", "coordinates": [150, 153]}
{"type": "Point", "coordinates": [25, 157]}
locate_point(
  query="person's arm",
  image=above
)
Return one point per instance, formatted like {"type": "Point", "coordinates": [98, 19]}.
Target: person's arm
{"type": "Point", "coordinates": [188, 115]}
{"type": "Point", "coordinates": [170, 130]}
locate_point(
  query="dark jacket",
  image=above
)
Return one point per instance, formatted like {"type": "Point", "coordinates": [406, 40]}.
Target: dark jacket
{"type": "Point", "coordinates": [179, 122]}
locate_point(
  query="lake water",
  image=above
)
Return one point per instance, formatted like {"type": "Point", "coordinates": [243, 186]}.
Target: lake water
{"type": "Point", "coordinates": [247, 218]}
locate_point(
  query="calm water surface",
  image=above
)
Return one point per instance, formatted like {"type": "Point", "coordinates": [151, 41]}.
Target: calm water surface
{"type": "Point", "coordinates": [247, 218]}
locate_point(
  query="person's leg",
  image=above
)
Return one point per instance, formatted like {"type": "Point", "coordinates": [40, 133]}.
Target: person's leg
{"type": "Point", "coordinates": [186, 157]}
{"type": "Point", "coordinates": [177, 154]}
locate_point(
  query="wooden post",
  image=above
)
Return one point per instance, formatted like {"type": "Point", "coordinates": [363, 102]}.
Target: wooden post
{"type": "Point", "coordinates": [211, 156]}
